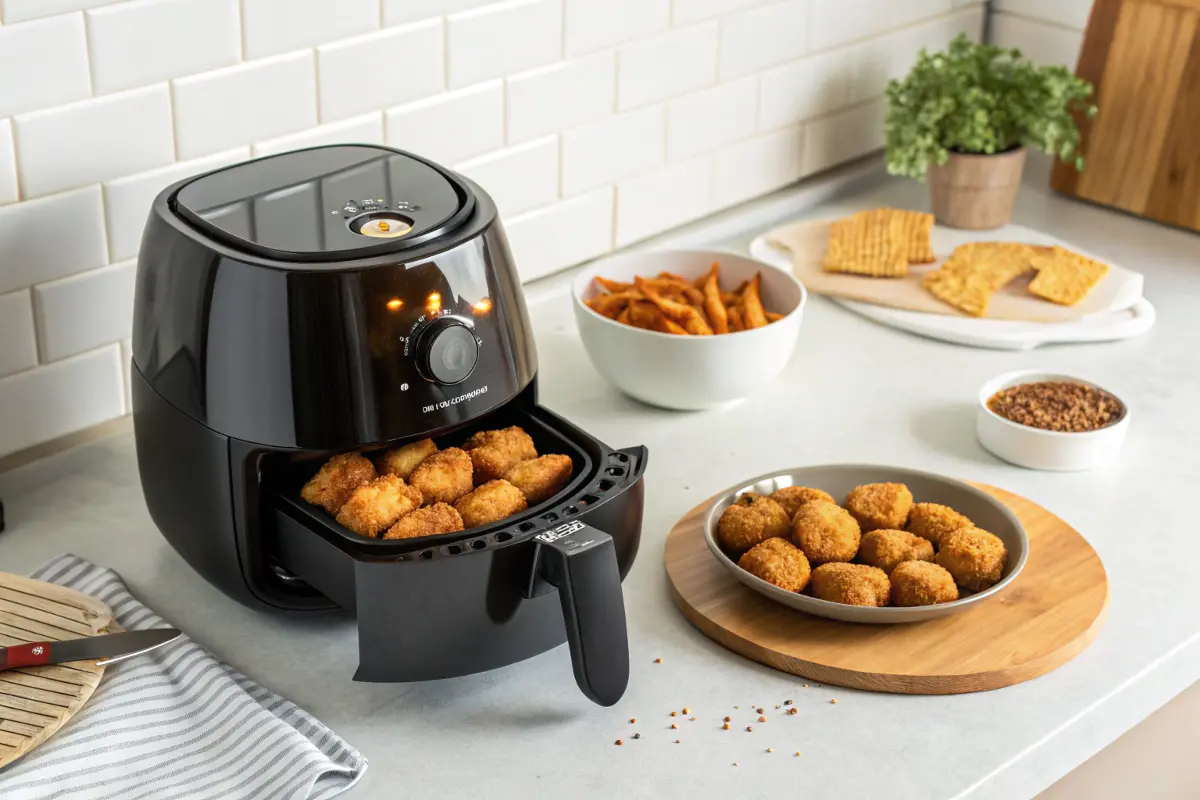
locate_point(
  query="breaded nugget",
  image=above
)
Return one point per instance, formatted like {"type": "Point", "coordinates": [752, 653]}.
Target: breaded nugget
{"type": "Point", "coordinates": [374, 506]}
{"type": "Point", "coordinates": [851, 584]}
{"type": "Point", "coordinates": [880, 505]}
{"type": "Point", "coordinates": [444, 476]}
{"type": "Point", "coordinates": [792, 497]}
{"type": "Point", "coordinates": [541, 478]}
{"type": "Point", "coordinates": [330, 488]}
{"type": "Point", "coordinates": [885, 549]}
{"type": "Point", "coordinates": [777, 561]}
{"type": "Point", "coordinates": [428, 521]}
{"type": "Point", "coordinates": [921, 583]}
{"type": "Point", "coordinates": [493, 453]}
{"type": "Point", "coordinates": [825, 532]}
{"type": "Point", "coordinates": [974, 557]}
{"type": "Point", "coordinates": [933, 522]}
{"type": "Point", "coordinates": [403, 460]}
{"type": "Point", "coordinates": [751, 519]}
{"type": "Point", "coordinates": [490, 503]}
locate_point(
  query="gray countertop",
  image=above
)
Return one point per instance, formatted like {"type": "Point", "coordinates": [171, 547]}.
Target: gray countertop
{"type": "Point", "coordinates": [855, 391]}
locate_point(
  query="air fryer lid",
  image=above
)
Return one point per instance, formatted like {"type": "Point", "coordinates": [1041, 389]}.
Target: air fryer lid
{"type": "Point", "coordinates": [327, 203]}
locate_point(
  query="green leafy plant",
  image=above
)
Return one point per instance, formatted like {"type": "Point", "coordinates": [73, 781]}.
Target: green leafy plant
{"type": "Point", "coordinates": [982, 99]}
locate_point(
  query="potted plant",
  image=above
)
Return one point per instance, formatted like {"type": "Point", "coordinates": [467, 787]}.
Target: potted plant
{"type": "Point", "coordinates": [963, 118]}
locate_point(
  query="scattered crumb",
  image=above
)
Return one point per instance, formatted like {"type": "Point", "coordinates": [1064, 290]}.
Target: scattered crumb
{"type": "Point", "coordinates": [797, 752]}
{"type": "Point", "coordinates": [793, 711]}
{"type": "Point", "coordinates": [777, 705]}
{"type": "Point", "coordinates": [787, 702]}
{"type": "Point", "coordinates": [833, 702]}
{"type": "Point", "coordinates": [759, 710]}
{"type": "Point", "coordinates": [637, 736]}
{"type": "Point", "coordinates": [770, 749]}
{"type": "Point", "coordinates": [676, 741]}
{"type": "Point", "coordinates": [806, 686]}
{"type": "Point", "coordinates": [749, 729]}
{"type": "Point", "coordinates": [632, 720]}
{"type": "Point", "coordinates": [674, 713]}
{"type": "Point", "coordinates": [736, 764]}
{"type": "Point", "coordinates": [687, 710]}
{"type": "Point", "coordinates": [658, 661]}
{"type": "Point", "coordinates": [762, 719]}
{"type": "Point", "coordinates": [619, 743]}
{"type": "Point", "coordinates": [728, 719]}
{"type": "Point", "coordinates": [674, 726]}
{"type": "Point", "coordinates": [691, 719]}
{"type": "Point", "coordinates": [725, 726]}
{"type": "Point", "coordinates": [737, 706]}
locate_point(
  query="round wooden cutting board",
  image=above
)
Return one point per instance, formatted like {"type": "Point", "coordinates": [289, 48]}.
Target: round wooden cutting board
{"type": "Point", "coordinates": [1046, 617]}
{"type": "Point", "coordinates": [37, 701]}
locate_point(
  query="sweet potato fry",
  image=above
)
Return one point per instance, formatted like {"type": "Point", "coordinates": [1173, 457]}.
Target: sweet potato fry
{"type": "Point", "coordinates": [681, 313]}
{"type": "Point", "coordinates": [644, 314]}
{"type": "Point", "coordinates": [613, 286]}
{"type": "Point", "coordinates": [729, 298]}
{"type": "Point", "coordinates": [712, 303]}
{"type": "Point", "coordinates": [735, 319]}
{"type": "Point", "coordinates": [677, 288]}
{"type": "Point", "coordinates": [753, 314]}
{"type": "Point", "coordinates": [611, 305]}
{"type": "Point", "coordinates": [623, 317]}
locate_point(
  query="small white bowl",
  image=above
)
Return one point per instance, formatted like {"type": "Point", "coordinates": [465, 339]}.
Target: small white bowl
{"type": "Point", "coordinates": [690, 372]}
{"type": "Point", "coordinates": [1040, 449]}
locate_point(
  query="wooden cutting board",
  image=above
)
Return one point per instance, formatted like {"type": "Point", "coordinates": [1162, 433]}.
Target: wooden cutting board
{"type": "Point", "coordinates": [1048, 615]}
{"type": "Point", "coordinates": [37, 701]}
{"type": "Point", "coordinates": [807, 242]}
{"type": "Point", "coordinates": [1143, 148]}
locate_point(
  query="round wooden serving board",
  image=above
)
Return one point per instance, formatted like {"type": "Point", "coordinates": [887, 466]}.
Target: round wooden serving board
{"type": "Point", "coordinates": [1049, 614]}
{"type": "Point", "coordinates": [37, 701]}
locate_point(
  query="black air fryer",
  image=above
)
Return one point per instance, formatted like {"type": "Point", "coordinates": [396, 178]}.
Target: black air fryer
{"type": "Point", "coordinates": [354, 298]}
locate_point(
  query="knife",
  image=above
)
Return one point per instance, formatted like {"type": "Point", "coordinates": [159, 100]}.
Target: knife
{"type": "Point", "coordinates": [103, 650]}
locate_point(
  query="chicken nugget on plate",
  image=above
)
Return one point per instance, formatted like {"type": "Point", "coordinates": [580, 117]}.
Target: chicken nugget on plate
{"type": "Point", "coordinates": [376, 505]}
{"type": "Point", "coordinates": [490, 503]}
{"type": "Point", "coordinates": [921, 583]}
{"type": "Point", "coordinates": [403, 460]}
{"type": "Point", "coordinates": [975, 558]}
{"type": "Point", "coordinates": [880, 505]}
{"type": "Point", "coordinates": [428, 521]}
{"type": "Point", "coordinates": [494, 453]}
{"type": "Point", "coordinates": [851, 584]}
{"type": "Point", "coordinates": [885, 549]}
{"type": "Point", "coordinates": [934, 522]}
{"type": "Point", "coordinates": [792, 497]}
{"type": "Point", "coordinates": [444, 476]}
{"type": "Point", "coordinates": [825, 532]}
{"type": "Point", "coordinates": [779, 562]}
{"type": "Point", "coordinates": [753, 518]}
{"type": "Point", "coordinates": [331, 487]}
{"type": "Point", "coordinates": [541, 478]}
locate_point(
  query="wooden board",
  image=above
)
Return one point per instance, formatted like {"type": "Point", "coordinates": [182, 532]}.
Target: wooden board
{"type": "Point", "coordinates": [1046, 617]}
{"type": "Point", "coordinates": [1120, 289]}
{"type": "Point", "coordinates": [37, 701]}
{"type": "Point", "coordinates": [1143, 57]}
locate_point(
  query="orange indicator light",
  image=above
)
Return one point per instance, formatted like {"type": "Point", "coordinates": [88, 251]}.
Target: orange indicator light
{"type": "Point", "coordinates": [483, 306]}
{"type": "Point", "coordinates": [434, 303]}
{"type": "Point", "coordinates": [395, 304]}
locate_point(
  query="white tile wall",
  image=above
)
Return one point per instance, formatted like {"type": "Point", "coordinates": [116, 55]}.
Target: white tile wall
{"type": "Point", "coordinates": [593, 123]}
{"type": "Point", "coordinates": [1071, 14]}
{"type": "Point", "coordinates": [1044, 42]}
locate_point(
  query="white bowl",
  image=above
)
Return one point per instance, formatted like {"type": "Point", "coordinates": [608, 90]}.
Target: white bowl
{"type": "Point", "coordinates": [1048, 450]}
{"type": "Point", "coordinates": [690, 372]}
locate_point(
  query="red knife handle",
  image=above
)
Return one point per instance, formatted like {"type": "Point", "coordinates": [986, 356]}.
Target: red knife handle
{"type": "Point", "coordinates": [25, 655]}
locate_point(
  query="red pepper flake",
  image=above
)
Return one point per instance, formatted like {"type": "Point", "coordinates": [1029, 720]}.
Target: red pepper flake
{"type": "Point", "coordinates": [793, 711]}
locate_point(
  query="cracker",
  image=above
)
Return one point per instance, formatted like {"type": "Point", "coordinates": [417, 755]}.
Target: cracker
{"type": "Point", "coordinates": [974, 271]}
{"type": "Point", "coordinates": [913, 228]}
{"type": "Point", "coordinates": [1065, 277]}
{"type": "Point", "coordinates": [864, 245]}
{"type": "Point", "coordinates": [967, 292]}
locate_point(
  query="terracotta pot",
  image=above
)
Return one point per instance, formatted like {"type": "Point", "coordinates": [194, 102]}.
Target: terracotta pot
{"type": "Point", "coordinates": [976, 191]}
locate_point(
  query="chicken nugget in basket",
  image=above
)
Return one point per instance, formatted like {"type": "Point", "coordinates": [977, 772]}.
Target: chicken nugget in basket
{"type": "Point", "coordinates": [975, 558]}
{"type": "Point", "coordinates": [376, 505]}
{"type": "Point", "coordinates": [444, 476]}
{"type": "Point", "coordinates": [541, 478]}
{"type": "Point", "coordinates": [885, 549]}
{"type": "Point", "coordinates": [751, 519]}
{"type": "Point", "coordinates": [880, 505]}
{"type": "Point", "coordinates": [494, 453]}
{"type": "Point", "coordinates": [403, 460]}
{"type": "Point", "coordinates": [921, 583]}
{"type": "Point", "coordinates": [490, 503]}
{"type": "Point", "coordinates": [792, 497]}
{"type": "Point", "coordinates": [338, 477]}
{"type": "Point", "coordinates": [851, 584]}
{"type": "Point", "coordinates": [825, 532]}
{"type": "Point", "coordinates": [934, 522]}
{"type": "Point", "coordinates": [431, 520]}
{"type": "Point", "coordinates": [779, 562]}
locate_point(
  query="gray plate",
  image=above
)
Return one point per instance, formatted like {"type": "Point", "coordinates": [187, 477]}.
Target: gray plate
{"type": "Point", "coordinates": [838, 479]}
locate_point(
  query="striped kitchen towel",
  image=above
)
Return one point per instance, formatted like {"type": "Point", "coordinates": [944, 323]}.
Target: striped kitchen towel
{"type": "Point", "coordinates": [177, 723]}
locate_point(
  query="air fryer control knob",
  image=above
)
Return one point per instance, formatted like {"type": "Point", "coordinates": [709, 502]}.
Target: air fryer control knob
{"type": "Point", "coordinates": [447, 351]}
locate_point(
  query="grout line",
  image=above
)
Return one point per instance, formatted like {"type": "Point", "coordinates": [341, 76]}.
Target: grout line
{"type": "Point", "coordinates": [1058, 26]}
{"type": "Point", "coordinates": [87, 53]}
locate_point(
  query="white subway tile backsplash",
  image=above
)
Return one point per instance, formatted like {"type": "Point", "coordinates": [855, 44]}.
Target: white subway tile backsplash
{"type": "Point", "coordinates": [518, 178]}
{"type": "Point", "coordinates": [94, 140]}
{"type": "Point", "coordinates": [1044, 43]}
{"type": "Point", "coordinates": [806, 88]}
{"type": "Point", "coordinates": [612, 148]}
{"type": "Point", "coordinates": [47, 402]}
{"type": "Point", "coordinates": [561, 235]}
{"type": "Point", "coordinates": [18, 346]}
{"type": "Point", "coordinates": [84, 311]}
{"type": "Point", "coordinates": [276, 26]}
{"type": "Point", "coordinates": [712, 117]}
{"type": "Point", "coordinates": [400, 12]}
{"type": "Point", "coordinates": [8, 164]}
{"type": "Point", "coordinates": [242, 104]}
{"type": "Point", "coordinates": [686, 11]}
{"type": "Point", "coordinates": [51, 237]}
{"type": "Point", "coordinates": [835, 23]}
{"type": "Point", "coordinates": [756, 166]}
{"type": "Point", "coordinates": [127, 200]}
{"type": "Point", "coordinates": [502, 38]}
{"type": "Point", "coordinates": [43, 63]}
{"type": "Point", "coordinates": [450, 127]}
{"type": "Point", "coordinates": [127, 370]}
{"type": "Point", "coordinates": [363, 129]}
{"type": "Point", "coordinates": [842, 136]}
{"type": "Point", "coordinates": [1068, 13]}
{"type": "Point", "coordinates": [21, 10]}
{"type": "Point", "coordinates": [593, 24]}
{"type": "Point", "coordinates": [911, 11]}
{"type": "Point", "coordinates": [380, 69]}
{"type": "Point", "coordinates": [762, 36]}
{"type": "Point", "coordinates": [551, 99]}
{"type": "Point", "coordinates": [145, 41]}
{"type": "Point", "coordinates": [657, 201]}
{"type": "Point", "coordinates": [666, 65]}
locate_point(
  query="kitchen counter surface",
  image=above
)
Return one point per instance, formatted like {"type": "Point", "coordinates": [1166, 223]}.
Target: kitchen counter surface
{"type": "Point", "coordinates": [855, 391]}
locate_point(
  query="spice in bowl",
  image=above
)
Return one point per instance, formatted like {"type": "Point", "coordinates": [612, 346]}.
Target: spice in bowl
{"type": "Point", "coordinates": [1059, 406]}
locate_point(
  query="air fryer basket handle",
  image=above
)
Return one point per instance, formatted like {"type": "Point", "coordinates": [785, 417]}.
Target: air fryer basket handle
{"type": "Point", "coordinates": [582, 562]}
